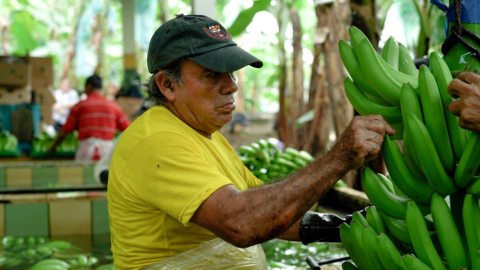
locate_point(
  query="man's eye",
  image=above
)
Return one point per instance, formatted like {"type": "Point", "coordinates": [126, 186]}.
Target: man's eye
{"type": "Point", "coordinates": [213, 74]}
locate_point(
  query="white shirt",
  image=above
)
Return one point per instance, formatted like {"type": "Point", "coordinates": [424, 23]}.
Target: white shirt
{"type": "Point", "coordinates": [69, 97]}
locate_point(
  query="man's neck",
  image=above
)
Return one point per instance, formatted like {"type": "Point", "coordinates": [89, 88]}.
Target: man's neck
{"type": "Point", "coordinates": [172, 108]}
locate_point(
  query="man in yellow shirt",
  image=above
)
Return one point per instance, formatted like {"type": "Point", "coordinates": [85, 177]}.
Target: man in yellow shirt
{"type": "Point", "coordinates": [174, 180]}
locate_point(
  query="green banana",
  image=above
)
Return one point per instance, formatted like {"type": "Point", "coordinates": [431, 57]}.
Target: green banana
{"type": "Point", "coordinates": [405, 61]}
{"type": "Point", "coordinates": [409, 102]}
{"type": "Point", "coordinates": [390, 52]}
{"type": "Point", "coordinates": [448, 234]}
{"type": "Point", "coordinates": [471, 219]}
{"type": "Point", "coordinates": [385, 201]}
{"type": "Point", "coordinates": [374, 220]}
{"type": "Point", "coordinates": [350, 61]}
{"type": "Point", "coordinates": [422, 243]}
{"type": "Point", "coordinates": [417, 190]}
{"type": "Point", "coordinates": [357, 241]}
{"type": "Point", "coordinates": [348, 266]}
{"type": "Point", "coordinates": [434, 117]}
{"type": "Point", "coordinates": [370, 245]}
{"type": "Point", "coordinates": [458, 135]}
{"type": "Point", "coordinates": [397, 228]}
{"type": "Point", "coordinates": [397, 191]}
{"type": "Point", "coordinates": [359, 218]}
{"type": "Point", "coordinates": [391, 114]}
{"type": "Point", "coordinates": [247, 150]}
{"type": "Point", "coordinates": [376, 100]}
{"type": "Point", "coordinates": [430, 161]}
{"type": "Point", "coordinates": [386, 182]}
{"type": "Point", "coordinates": [356, 36]}
{"type": "Point", "coordinates": [386, 80]}
{"type": "Point", "coordinates": [413, 263]}
{"type": "Point", "coordinates": [469, 162]}
{"type": "Point", "coordinates": [50, 264]}
{"type": "Point", "coordinates": [443, 76]}
{"type": "Point", "coordinates": [351, 246]}
{"type": "Point", "coordinates": [389, 255]}
{"type": "Point", "coordinates": [474, 187]}
{"type": "Point", "coordinates": [379, 78]}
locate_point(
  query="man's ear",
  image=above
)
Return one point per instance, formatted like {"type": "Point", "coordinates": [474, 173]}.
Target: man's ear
{"type": "Point", "coordinates": [165, 86]}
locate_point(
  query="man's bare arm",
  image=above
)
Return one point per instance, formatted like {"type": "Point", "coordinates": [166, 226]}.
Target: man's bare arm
{"type": "Point", "coordinates": [245, 218]}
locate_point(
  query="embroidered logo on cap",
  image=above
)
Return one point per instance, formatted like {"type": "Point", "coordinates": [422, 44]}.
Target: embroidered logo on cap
{"type": "Point", "coordinates": [216, 32]}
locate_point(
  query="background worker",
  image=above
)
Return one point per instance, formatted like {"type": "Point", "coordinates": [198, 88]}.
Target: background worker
{"type": "Point", "coordinates": [96, 119]}
{"type": "Point", "coordinates": [175, 182]}
{"type": "Point", "coordinates": [65, 99]}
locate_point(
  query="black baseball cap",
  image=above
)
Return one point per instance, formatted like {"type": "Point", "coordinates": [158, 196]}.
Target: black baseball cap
{"type": "Point", "coordinates": [200, 39]}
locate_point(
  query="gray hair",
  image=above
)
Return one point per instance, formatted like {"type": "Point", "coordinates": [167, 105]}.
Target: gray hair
{"type": "Point", "coordinates": [173, 74]}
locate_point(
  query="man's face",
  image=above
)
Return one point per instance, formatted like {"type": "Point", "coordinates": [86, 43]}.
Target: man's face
{"type": "Point", "coordinates": [65, 85]}
{"type": "Point", "coordinates": [205, 101]}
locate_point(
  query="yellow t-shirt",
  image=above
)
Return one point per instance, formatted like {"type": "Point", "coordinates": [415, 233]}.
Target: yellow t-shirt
{"type": "Point", "coordinates": [161, 172]}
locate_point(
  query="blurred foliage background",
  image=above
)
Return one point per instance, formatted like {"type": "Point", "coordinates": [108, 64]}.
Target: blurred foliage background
{"type": "Point", "coordinates": [294, 39]}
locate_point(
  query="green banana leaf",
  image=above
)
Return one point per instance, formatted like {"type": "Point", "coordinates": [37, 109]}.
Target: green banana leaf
{"type": "Point", "coordinates": [245, 17]}
{"type": "Point", "coordinates": [21, 29]}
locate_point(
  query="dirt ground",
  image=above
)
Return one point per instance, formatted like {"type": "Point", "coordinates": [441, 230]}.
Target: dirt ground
{"type": "Point", "coordinates": [259, 126]}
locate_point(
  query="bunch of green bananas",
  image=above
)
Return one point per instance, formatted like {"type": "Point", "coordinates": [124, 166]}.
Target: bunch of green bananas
{"type": "Point", "coordinates": [267, 162]}
{"type": "Point", "coordinates": [8, 144]}
{"type": "Point", "coordinates": [42, 253]}
{"type": "Point", "coordinates": [43, 141]}
{"type": "Point", "coordinates": [438, 164]}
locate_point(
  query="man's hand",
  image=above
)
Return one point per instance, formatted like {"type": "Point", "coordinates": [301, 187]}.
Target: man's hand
{"type": "Point", "coordinates": [467, 88]}
{"type": "Point", "coordinates": [362, 140]}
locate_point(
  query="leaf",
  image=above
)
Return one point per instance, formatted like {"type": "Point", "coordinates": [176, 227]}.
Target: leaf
{"type": "Point", "coordinates": [306, 117]}
{"type": "Point", "coordinates": [424, 23]}
{"type": "Point", "coordinates": [245, 17]}
{"type": "Point", "coordinates": [21, 29]}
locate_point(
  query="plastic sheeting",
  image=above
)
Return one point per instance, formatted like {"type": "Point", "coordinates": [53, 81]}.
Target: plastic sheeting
{"type": "Point", "coordinates": [215, 254]}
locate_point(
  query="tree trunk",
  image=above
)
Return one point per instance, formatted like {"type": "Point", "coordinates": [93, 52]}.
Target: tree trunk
{"type": "Point", "coordinates": [363, 17]}
{"type": "Point", "coordinates": [282, 121]}
{"type": "Point", "coordinates": [99, 35]}
{"type": "Point", "coordinates": [335, 17]}
{"type": "Point", "coordinates": [296, 106]}
{"type": "Point", "coordinates": [72, 38]}
{"type": "Point", "coordinates": [164, 11]}
{"type": "Point", "coordinates": [5, 29]}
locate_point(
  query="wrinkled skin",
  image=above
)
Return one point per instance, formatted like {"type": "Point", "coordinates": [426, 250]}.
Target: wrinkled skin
{"type": "Point", "coordinates": [466, 87]}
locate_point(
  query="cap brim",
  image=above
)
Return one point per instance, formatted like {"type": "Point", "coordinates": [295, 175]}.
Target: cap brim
{"type": "Point", "coordinates": [226, 59]}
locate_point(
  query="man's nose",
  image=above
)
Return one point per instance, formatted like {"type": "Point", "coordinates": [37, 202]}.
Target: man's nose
{"type": "Point", "coordinates": [229, 82]}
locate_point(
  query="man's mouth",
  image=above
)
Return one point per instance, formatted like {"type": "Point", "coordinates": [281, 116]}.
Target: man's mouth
{"type": "Point", "coordinates": [229, 107]}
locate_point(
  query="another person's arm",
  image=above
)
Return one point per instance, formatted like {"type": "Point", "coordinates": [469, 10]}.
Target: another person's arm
{"type": "Point", "coordinates": [245, 218]}
{"type": "Point", "coordinates": [58, 140]}
{"type": "Point", "coordinates": [68, 127]}
{"type": "Point", "coordinates": [467, 88]}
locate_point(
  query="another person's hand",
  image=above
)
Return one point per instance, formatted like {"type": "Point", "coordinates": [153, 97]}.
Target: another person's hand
{"type": "Point", "coordinates": [362, 140]}
{"type": "Point", "coordinates": [467, 88]}
{"type": "Point", "coordinates": [52, 149]}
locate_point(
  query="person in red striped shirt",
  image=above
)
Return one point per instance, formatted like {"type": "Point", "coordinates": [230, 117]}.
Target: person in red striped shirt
{"type": "Point", "coordinates": [96, 119]}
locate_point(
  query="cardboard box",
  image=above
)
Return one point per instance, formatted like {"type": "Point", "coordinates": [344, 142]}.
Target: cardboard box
{"type": "Point", "coordinates": [42, 68]}
{"type": "Point", "coordinates": [15, 74]}
{"type": "Point", "coordinates": [45, 98]}
{"type": "Point", "coordinates": [14, 95]}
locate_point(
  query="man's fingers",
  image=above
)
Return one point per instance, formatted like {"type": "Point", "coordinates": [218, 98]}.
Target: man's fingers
{"type": "Point", "coordinates": [455, 107]}
{"type": "Point", "coordinates": [372, 149]}
{"type": "Point", "coordinates": [466, 124]}
{"type": "Point", "coordinates": [457, 88]}
{"type": "Point", "coordinates": [374, 137]}
{"type": "Point", "coordinates": [469, 77]}
{"type": "Point", "coordinates": [378, 124]}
